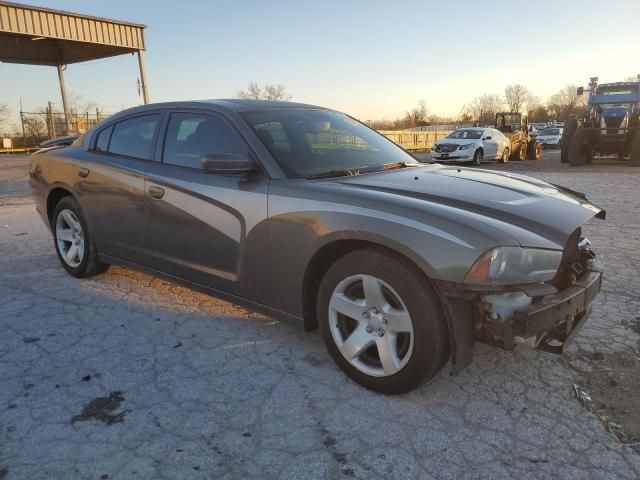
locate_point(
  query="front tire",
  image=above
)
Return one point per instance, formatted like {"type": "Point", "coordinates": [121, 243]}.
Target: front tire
{"type": "Point", "coordinates": [635, 150]}
{"type": "Point", "coordinates": [534, 150]}
{"type": "Point", "coordinates": [73, 242]}
{"type": "Point", "coordinates": [580, 150]}
{"type": "Point", "coordinates": [381, 321]}
{"type": "Point", "coordinates": [570, 126]}
{"type": "Point", "coordinates": [478, 156]}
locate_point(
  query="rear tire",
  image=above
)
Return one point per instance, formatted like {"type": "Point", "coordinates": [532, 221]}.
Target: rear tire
{"type": "Point", "coordinates": [394, 315]}
{"type": "Point", "coordinates": [73, 242]}
{"type": "Point", "coordinates": [505, 155]}
{"type": "Point", "coordinates": [580, 150]}
{"type": "Point", "coordinates": [570, 126]}
{"type": "Point", "coordinates": [534, 150]}
{"type": "Point", "coordinates": [521, 153]}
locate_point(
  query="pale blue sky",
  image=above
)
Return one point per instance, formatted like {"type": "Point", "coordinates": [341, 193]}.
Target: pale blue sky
{"type": "Point", "coordinates": [372, 59]}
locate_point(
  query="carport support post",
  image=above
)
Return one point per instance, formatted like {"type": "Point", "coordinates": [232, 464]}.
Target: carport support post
{"type": "Point", "coordinates": [143, 77]}
{"type": "Point", "coordinates": [65, 104]}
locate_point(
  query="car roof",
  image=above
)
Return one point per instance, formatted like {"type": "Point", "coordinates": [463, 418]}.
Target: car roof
{"type": "Point", "coordinates": [234, 104]}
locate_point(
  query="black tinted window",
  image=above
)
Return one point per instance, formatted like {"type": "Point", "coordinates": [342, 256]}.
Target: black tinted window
{"type": "Point", "coordinates": [192, 135]}
{"type": "Point", "coordinates": [134, 137]}
{"type": "Point", "coordinates": [102, 143]}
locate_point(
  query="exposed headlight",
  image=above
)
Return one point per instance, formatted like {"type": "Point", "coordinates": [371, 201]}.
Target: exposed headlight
{"type": "Point", "coordinates": [514, 265]}
{"type": "Point", "coordinates": [467, 146]}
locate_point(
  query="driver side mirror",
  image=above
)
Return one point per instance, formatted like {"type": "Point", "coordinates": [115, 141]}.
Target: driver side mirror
{"type": "Point", "coordinates": [227, 163]}
{"type": "Point", "coordinates": [487, 138]}
{"type": "Point", "coordinates": [580, 91]}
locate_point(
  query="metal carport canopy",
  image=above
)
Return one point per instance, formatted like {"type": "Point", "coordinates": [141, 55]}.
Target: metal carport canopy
{"type": "Point", "coordinates": [43, 36]}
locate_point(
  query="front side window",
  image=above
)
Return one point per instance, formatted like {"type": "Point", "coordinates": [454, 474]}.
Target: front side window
{"type": "Point", "coordinates": [308, 143]}
{"type": "Point", "coordinates": [134, 137]}
{"type": "Point", "coordinates": [190, 136]}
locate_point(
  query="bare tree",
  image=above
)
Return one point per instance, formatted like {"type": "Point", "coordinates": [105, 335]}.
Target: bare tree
{"type": "Point", "coordinates": [483, 109]}
{"type": "Point", "coordinates": [417, 116]}
{"type": "Point", "coordinates": [633, 78]}
{"type": "Point", "coordinates": [35, 126]}
{"type": "Point", "coordinates": [269, 92]}
{"type": "Point", "coordinates": [516, 96]}
{"type": "Point", "coordinates": [565, 102]}
{"type": "Point", "coordinates": [531, 104]}
{"type": "Point", "coordinates": [4, 115]}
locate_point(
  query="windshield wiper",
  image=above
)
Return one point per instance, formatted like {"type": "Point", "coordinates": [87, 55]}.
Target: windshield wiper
{"type": "Point", "coordinates": [396, 165]}
{"type": "Point", "coordinates": [334, 173]}
{"type": "Point", "coordinates": [357, 171]}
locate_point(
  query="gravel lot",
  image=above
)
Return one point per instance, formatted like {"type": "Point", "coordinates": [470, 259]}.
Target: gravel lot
{"type": "Point", "coordinates": [128, 376]}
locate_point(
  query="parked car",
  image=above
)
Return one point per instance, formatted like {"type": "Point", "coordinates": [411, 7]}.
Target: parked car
{"type": "Point", "coordinates": [472, 145]}
{"type": "Point", "coordinates": [550, 137]}
{"type": "Point", "coordinates": [55, 143]}
{"type": "Point", "coordinates": [306, 214]}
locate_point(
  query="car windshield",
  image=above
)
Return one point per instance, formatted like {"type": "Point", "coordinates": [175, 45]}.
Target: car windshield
{"type": "Point", "coordinates": [466, 134]}
{"type": "Point", "coordinates": [550, 132]}
{"type": "Point", "coordinates": [313, 143]}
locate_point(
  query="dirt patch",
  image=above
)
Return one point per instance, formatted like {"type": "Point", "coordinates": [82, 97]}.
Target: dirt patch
{"type": "Point", "coordinates": [102, 409]}
{"type": "Point", "coordinates": [634, 325]}
{"type": "Point", "coordinates": [610, 388]}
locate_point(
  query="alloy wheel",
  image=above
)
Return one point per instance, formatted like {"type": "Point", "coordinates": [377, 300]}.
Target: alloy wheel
{"type": "Point", "coordinates": [70, 238]}
{"type": "Point", "coordinates": [371, 325]}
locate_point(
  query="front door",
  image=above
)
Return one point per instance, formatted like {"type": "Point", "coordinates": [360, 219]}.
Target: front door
{"type": "Point", "coordinates": [202, 226]}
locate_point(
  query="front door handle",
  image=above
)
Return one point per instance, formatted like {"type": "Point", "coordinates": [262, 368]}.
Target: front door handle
{"type": "Point", "coordinates": [156, 192]}
{"type": "Point", "coordinates": [83, 172]}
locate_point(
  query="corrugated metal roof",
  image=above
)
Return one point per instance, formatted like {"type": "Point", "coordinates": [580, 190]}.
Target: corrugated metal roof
{"type": "Point", "coordinates": [45, 36]}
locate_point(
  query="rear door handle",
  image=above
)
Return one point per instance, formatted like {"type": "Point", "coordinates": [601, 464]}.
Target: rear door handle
{"type": "Point", "coordinates": [156, 192]}
{"type": "Point", "coordinates": [83, 172]}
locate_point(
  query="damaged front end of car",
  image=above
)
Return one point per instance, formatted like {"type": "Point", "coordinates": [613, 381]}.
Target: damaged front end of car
{"type": "Point", "coordinates": [544, 315]}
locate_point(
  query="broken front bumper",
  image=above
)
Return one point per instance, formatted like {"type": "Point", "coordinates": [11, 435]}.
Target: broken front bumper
{"type": "Point", "coordinates": [548, 324]}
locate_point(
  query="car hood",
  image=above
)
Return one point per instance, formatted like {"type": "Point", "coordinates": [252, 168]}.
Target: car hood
{"type": "Point", "coordinates": [549, 211]}
{"type": "Point", "coordinates": [548, 137]}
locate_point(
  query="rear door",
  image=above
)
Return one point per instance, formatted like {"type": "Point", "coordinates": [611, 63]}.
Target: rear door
{"type": "Point", "coordinates": [112, 190]}
{"type": "Point", "coordinates": [202, 225]}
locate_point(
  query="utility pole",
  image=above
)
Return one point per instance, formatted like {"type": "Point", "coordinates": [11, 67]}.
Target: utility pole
{"type": "Point", "coordinates": [143, 77]}
{"type": "Point", "coordinates": [24, 136]}
{"type": "Point", "coordinates": [65, 103]}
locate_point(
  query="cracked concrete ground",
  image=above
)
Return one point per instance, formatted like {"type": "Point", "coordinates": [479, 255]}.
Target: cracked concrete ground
{"type": "Point", "coordinates": [205, 389]}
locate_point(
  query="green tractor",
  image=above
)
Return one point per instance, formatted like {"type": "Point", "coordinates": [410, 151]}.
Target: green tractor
{"type": "Point", "coordinates": [516, 128]}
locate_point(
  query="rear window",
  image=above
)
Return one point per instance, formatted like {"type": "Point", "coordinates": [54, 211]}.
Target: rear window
{"type": "Point", "coordinates": [134, 137]}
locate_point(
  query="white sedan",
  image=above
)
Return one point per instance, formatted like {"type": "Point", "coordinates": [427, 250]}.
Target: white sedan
{"type": "Point", "coordinates": [472, 145]}
{"type": "Point", "coordinates": [550, 137]}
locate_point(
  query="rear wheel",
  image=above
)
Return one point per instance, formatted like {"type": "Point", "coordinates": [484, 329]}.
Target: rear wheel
{"type": "Point", "coordinates": [521, 154]}
{"type": "Point", "coordinates": [73, 241]}
{"type": "Point", "coordinates": [478, 156]}
{"type": "Point", "coordinates": [534, 150]}
{"type": "Point", "coordinates": [570, 126]}
{"type": "Point", "coordinates": [381, 321]}
{"type": "Point", "coordinates": [580, 150]}
{"type": "Point", "coordinates": [505, 155]}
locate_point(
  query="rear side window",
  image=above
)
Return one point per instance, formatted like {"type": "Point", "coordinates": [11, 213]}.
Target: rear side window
{"type": "Point", "coordinates": [192, 135]}
{"type": "Point", "coordinates": [102, 143]}
{"type": "Point", "coordinates": [134, 137]}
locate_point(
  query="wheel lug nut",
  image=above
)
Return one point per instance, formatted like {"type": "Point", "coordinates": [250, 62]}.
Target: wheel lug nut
{"type": "Point", "coordinates": [385, 321]}
{"type": "Point", "coordinates": [366, 315]}
{"type": "Point", "coordinates": [381, 332]}
{"type": "Point", "coordinates": [369, 329]}
{"type": "Point", "coordinates": [375, 310]}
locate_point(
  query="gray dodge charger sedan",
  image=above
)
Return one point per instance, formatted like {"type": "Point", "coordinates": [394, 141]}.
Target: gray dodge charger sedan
{"type": "Point", "coordinates": [304, 213]}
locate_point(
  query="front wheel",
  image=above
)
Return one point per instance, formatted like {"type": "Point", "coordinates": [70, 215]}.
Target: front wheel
{"type": "Point", "coordinates": [477, 157]}
{"type": "Point", "coordinates": [381, 321]}
{"type": "Point", "coordinates": [73, 241]}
